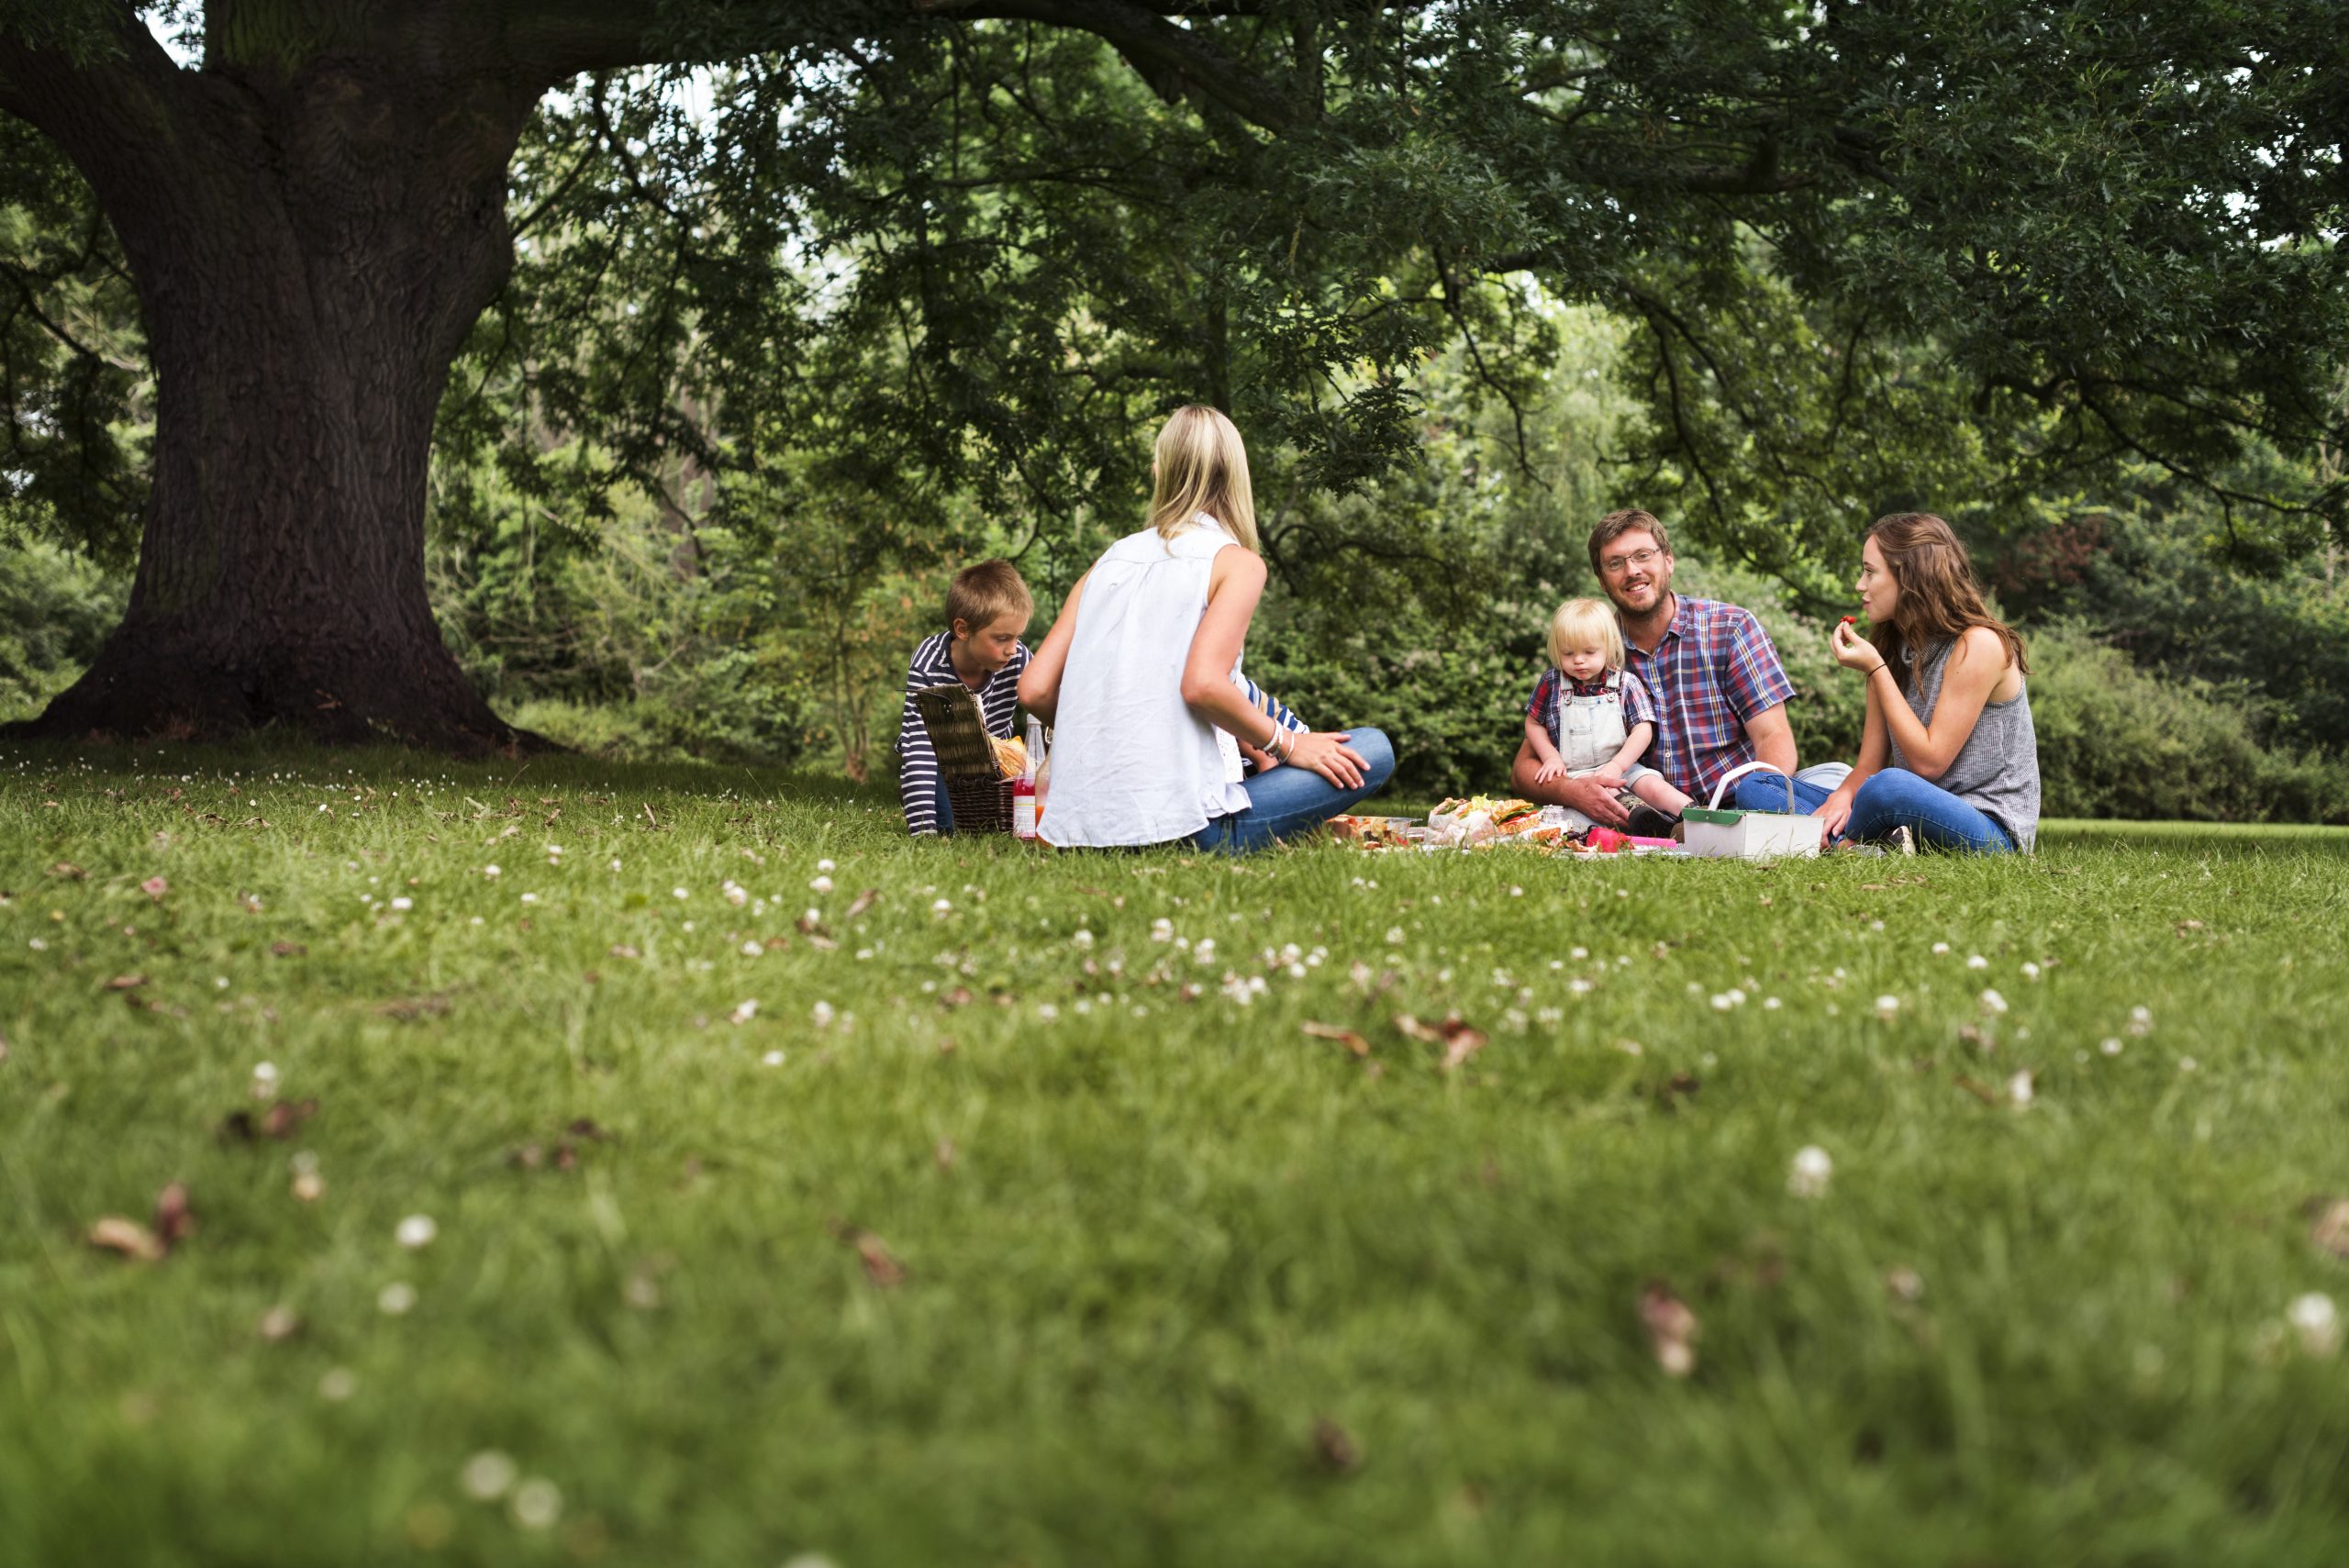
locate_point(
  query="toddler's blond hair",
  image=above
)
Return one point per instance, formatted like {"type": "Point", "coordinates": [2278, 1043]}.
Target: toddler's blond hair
{"type": "Point", "coordinates": [1582, 623]}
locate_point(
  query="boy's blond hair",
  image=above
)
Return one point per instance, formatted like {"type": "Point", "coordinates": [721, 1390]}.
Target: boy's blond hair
{"type": "Point", "coordinates": [985, 594]}
{"type": "Point", "coordinates": [1581, 623]}
{"type": "Point", "coordinates": [1200, 465]}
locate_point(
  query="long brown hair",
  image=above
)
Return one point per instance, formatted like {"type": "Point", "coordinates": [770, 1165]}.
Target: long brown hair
{"type": "Point", "coordinates": [1939, 600]}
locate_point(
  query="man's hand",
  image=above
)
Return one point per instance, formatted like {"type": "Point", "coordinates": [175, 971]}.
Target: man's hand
{"type": "Point", "coordinates": [1593, 799]}
{"type": "Point", "coordinates": [1609, 775]}
{"type": "Point", "coordinates": [1584, 794]}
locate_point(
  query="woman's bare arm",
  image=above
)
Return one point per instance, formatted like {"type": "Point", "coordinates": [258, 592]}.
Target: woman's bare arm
{"type": "Point", "coordinates": [1040, 683]}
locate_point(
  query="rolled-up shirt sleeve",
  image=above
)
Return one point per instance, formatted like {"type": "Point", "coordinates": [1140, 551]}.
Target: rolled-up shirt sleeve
{"type": "Point", "coordinates": [1755, 681]}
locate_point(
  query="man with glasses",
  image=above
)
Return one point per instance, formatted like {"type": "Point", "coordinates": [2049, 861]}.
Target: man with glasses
{"type": "Point", "coordinates": [1715, 677]}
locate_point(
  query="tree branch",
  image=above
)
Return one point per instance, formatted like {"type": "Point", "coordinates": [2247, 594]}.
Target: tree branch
{"type": "Point", "coordinates": [556, 39]}
{"type": "Point", "coordinates": [105, 91]}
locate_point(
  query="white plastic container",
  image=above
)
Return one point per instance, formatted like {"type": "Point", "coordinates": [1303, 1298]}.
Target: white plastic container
{"type": "Point", "coordinates": [1751, 835]}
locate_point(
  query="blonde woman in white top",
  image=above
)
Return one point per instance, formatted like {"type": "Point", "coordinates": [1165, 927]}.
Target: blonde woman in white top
{"type": "Point", "coordinates": [1140, 677]}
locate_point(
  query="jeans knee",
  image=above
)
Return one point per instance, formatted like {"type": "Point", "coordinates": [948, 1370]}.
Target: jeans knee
{"type": "Point", "coordinates": [1377, 754]}
{"type": "Point", "coordinates": [1883, 787]}
{"type": "Point", "coordinates": [1760, 792]}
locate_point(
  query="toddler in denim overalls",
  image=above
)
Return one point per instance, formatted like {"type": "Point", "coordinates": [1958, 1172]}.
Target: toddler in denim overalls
{"type": "Point", "coordinates": [1590, 715]}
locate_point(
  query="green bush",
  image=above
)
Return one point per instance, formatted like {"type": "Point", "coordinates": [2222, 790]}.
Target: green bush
{"type": "Point", "coordinates": [56, 608]}
{"type": "Point", "coordinates": [2115, 741]}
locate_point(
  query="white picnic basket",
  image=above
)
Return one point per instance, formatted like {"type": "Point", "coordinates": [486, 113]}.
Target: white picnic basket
{"type": "Point", "coordinates": [1750, 835]}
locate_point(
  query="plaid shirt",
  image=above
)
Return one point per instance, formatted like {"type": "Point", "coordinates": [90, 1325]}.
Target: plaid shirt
{"type": "Point", "coordinates": [1712, 672]}
{"type": "Point", "coordinates": [1639, 707]}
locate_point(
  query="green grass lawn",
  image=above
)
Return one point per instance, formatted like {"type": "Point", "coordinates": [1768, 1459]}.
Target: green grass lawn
{"type": "Point", "coordinates": [1063, 1243]}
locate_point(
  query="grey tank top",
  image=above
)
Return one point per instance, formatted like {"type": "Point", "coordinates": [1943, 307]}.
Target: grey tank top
{"type": "Point", "coordinates": [1997, 771]}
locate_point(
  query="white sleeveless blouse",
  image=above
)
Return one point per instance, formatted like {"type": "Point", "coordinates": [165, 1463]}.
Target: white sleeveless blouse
{"type": "Point", "coordinates": [1131, 764]}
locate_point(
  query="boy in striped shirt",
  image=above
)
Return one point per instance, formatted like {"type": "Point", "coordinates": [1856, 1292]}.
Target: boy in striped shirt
{"type": "Point", "coordinates": [988, 608]}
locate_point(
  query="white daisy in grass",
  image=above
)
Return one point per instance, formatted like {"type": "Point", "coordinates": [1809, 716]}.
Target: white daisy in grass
{"type": "Point", "coordinates": [1888, 1007]}
{"type": "Point", "coordinates": [537, 1503]}
{"type": "Point", "coordinates": [1809, 1175]}
{"type": "Point", "coordinates": [2317, 1321]}
{"type": "Point", "coordinates": [416, 1231]}
{"type": "Point", "coordinates": [487, 1477]}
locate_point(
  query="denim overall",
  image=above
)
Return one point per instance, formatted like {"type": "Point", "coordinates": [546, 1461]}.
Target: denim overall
{"type": "Point", "coordinates": [1589, 729]}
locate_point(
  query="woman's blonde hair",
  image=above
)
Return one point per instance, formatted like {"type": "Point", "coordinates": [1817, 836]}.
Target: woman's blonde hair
{"type": "Point", "coordinates": [1201, 465]}
{"type": "Point", "coordinates": [1588, 623]}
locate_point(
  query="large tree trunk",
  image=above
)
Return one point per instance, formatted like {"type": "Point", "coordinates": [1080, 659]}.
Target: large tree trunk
{"type": "Point", "coordinates": [309, 257]}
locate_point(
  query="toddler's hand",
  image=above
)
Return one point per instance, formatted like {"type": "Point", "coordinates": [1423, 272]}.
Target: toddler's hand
{"type": "Point", "coordinates": [1549, 771]}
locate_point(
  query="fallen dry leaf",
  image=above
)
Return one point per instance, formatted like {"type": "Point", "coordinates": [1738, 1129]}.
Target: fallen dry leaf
{"type": "Point", "coordinates": [863, 901]}
{"type": "Point", "coordinates": [880, 1265]}
{"type": "Point", "coordinates": [280, 1120]}
{"type": "Point", "coordinates": [287, 950]}
{"type": "Point", "coordinates": [127, 1236]}
{"type": "Point", "coordinates": [958, 997]}
{"type": "Point", "coordinates": [621, 949]}
{"type": "Point", "coordinates": [943, 1152]}
{"type": "Point", "coordinates": [2330, 1233]}
{"type": "Point", "coordinates": [1347, 1038]}
{"type": "Point", "coordinates": [1335, 1448]}
{"type": "Point", "coordinates": [174, 1222]}
{"type": "Point", "coordinates": [68, 870]}
{"type": "Point", "coordinates": [175, 1219]}
{"type": "Point", "coordinates": [1672, 1328]}
{"type": "Point", "coordinates": [1979, 1090]}
{"type": "Point", "coordinates": [1459, 1040]}
{"type": "Point", "coordinates": [125, 983]}
{"type": "Point", "coordinates": [409, 1007]}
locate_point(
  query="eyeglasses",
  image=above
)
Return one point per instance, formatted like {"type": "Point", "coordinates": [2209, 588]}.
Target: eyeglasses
{"type": "Point", "coordinates": [1614, 564]}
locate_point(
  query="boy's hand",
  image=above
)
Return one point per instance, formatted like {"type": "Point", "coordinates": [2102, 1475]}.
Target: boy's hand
{"type": "Point", "coordinates": [1549, 771]}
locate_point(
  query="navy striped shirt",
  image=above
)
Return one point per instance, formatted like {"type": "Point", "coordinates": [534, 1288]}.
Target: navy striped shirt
{"type": "Point", "coordinates": [998, 704]}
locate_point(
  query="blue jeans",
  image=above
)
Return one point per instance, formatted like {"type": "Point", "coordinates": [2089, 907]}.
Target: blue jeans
{"type": "Point", "coordinates": [942, 807]}
{"type": "Point", "coordinates": [1292, 800]}
{"type": "Point", "coordinates": [1892, 799]}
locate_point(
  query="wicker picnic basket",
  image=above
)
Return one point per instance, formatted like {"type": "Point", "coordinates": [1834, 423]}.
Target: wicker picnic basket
{"type": "Point", "coordinates": [976, 788]}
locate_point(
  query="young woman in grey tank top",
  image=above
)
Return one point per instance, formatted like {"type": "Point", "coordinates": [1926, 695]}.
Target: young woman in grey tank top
{"type": "Point", "coordinates": [1948, 752]}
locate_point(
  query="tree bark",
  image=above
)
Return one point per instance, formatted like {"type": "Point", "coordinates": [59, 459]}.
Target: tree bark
{"type": "Point", "coordinates": [313, 221]}
{"type": "Point", "coordinates": [310, 252]}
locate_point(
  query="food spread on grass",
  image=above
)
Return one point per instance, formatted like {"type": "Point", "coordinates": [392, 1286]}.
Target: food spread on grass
{"type": "Point", "coordinates": [1487, 822]}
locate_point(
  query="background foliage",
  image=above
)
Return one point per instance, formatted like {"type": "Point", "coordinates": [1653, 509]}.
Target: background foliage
{"type": "Point", "coordinates": [707, 462]}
